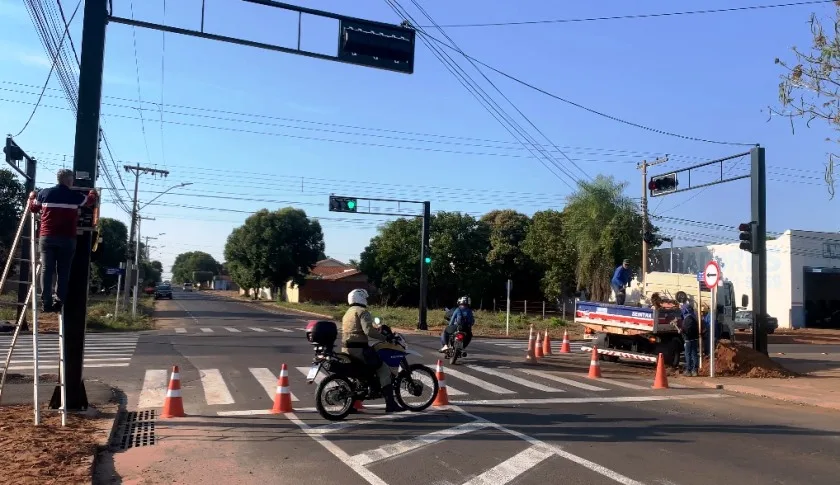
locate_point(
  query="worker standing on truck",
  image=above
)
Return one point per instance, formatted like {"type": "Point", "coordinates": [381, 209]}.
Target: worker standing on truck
{"type": "Point", "coordinates": [621, 280]}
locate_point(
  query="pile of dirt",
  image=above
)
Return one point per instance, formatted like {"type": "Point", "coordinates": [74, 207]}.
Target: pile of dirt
{"type": "Point", "coordinates": [734, 360]}
{"type": "Point", "coordinates": [47, 453]}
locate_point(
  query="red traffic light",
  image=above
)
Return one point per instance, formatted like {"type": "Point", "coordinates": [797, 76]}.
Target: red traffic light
{"type": "Point", "coordinates": [652, 185]}
{"type": "Point", "coordinates": [745, 227]}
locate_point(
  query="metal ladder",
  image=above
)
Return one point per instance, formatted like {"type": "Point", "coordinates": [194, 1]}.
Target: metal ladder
{"type": "Point", "coordinates": [32, 302]}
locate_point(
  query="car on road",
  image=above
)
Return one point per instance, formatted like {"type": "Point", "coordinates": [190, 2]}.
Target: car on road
{"type": "Point", "coordinates": [743, 321]}
{"type": "Point", "coordinates": [163, 291]}
{"type": "Point", "coordinates": [188, 286]}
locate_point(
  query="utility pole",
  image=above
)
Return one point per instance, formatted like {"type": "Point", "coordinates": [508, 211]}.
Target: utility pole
{"type": "Point", "coordinates": [758, 206]}
{"type": "Point", "coordinates": [137, 170]}
{"type": "Point", "coordinates": [645, 220]}
{"type": "Point", "coordinates": [147, 246]}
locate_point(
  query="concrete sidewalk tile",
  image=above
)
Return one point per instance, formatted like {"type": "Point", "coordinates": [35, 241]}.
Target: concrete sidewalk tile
{"type": "Point", "coordinates": [822, 392]}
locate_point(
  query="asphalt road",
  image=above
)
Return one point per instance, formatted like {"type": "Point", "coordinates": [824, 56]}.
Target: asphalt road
{"type": "Point", "coordinates": [506, 424]}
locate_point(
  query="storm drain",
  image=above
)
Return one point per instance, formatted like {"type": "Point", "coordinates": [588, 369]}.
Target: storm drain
{"type": "Point", "coordinates": [136, 429]}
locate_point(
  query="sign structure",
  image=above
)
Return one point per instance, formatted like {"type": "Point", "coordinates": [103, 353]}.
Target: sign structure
{"type": "Point", "coordinates": [711, 275]}
{"type": "Point", "coordinates": [115, 271]}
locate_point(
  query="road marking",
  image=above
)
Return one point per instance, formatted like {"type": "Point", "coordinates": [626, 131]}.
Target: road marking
{"type": "Point", "coordinates": [301, 329]}
{"type": "Point", "coordinates": [154, 389]}
{"type": "Point", "coordinates": [180, 330]}
{"type": "Point", "coordinates": [281, 329]}
{"type": "Point", "coordinates": [562, 380]}
{"type": "Point", "coordinates": [388, 451]}
{"type": "Point", "coordinates": [207, 330]}
{"type": "Point", "coordinates": [584, 400]}
{"type": "Point", "coordinates": [515, 380]}
{"type": "Point", "coordinates": [340, 425]}
{"type": "Point", "coordinates": [232, 330]}
{"type": "Point", "coordinates": [305, 372]}
{"type": "Point", "coordinates": [215, 390]}
{"type": "Point", "coordinates": [628, 385]}
{"type": "Point", "coordinates": [268, 381]}
{"type": "Point", "coordinates": [678, 386]}
{"type": "Point", "coordinates": [257, 329]}
{"type": "Point", "coordinates": [476, 382]}
{"type": "Point", "coordinates": [508, 470]}
{"type": "Point", "coordinates": [45, 365]}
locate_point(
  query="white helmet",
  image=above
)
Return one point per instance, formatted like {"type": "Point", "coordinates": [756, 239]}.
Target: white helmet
{"type": "Point", "coordinates": [358, 296]}
{"type": "Point", "coordinates": [464, 300]}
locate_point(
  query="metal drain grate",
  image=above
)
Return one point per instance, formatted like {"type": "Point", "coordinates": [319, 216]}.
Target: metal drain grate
{"type": "Point", "coordinates": [136, 429]}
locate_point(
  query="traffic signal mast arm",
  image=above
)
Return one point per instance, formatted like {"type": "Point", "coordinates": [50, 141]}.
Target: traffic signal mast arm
{"type": "Point", "coordinates": [341, 203]}
{"type": "Point", "coordinates": [667, 183]}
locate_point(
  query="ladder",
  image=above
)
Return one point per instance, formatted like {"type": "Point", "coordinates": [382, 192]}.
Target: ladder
{"type": "Point", "coordinates": [32, 302]}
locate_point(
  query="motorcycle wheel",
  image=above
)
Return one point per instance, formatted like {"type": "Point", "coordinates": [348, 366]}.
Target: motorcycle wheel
{"type": "Point", "coordinates": [453, 357]}
{"type": "Point", "coordinates": [346, 394]}
{"type": "Point", "coordinates": [404, 381]}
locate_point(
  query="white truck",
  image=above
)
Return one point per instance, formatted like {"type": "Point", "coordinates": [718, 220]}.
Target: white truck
{"type": "Point", "coordinates": [640, 330]}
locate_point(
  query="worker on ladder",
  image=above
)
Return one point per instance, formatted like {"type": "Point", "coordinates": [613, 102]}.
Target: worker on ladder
{"type": "Point", "coordinates": [59, 209]}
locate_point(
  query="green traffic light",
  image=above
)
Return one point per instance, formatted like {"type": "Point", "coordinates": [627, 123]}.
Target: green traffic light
{"type": "Point", "coordinates": [428, 260]}
{"type": "Point", "coordinates": [351, 204]}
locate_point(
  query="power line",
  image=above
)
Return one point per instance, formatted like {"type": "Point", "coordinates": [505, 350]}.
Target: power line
{"type": "Point", "coordinates": [137, 71]}
{"type": "Point", "coordinates": [636, 16]}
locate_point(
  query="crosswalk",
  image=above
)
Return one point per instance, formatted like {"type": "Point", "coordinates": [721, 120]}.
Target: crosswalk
{"type": "Point", "coordinates": [226, 387]}
{"type": "Point", "coordinates": [523, 344]}
{"type": "Point", "coordinates": [227, 330]}
{"type": "Point", "coordinates": [101, 350]}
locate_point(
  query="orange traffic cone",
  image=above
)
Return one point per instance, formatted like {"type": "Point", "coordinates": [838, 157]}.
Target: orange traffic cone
{"type": "Point", "coordinates": [546, 345]}
{"type": "Point", "coordinates": [538, 349]}
{"type": "Point", "coordinates": [565, 347]}
{"type": "Point", "coordinates": [283, 396]}
{"type": "Point", "coordinates": [530, 357]}
{"type": "Point", "coordinates": [594, 364]}
{"type": "Point", "coordinates": [173, 405]}
{"type": "Point", "coordinates": [442, 398]}
{"type": "Point", "coordinates": [661, 380]}
{"type": "Point", "coordinates": [358, 406]}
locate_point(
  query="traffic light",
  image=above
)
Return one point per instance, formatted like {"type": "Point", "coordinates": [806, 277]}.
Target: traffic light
{"type": "Point", "coordinates": [428, 260]}
{"type": "Point", "coordinates": [375, 44]}
{"type": "Point", "coordinates": [342, 204]}
{"type": "Point", "coordinates": [747, 237]}
{"type": "Point", "coordinates": [663, 184]}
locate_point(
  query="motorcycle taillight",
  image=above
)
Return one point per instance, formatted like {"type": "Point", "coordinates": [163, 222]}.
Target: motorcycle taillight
{"type": "Point", "coordinates": [459, 336]}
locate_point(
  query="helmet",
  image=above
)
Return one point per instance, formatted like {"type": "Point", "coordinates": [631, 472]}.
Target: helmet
{"type": "Point", "coordinates": [358, 296]}
{"type": "Point", "coordinates": [464, 300]}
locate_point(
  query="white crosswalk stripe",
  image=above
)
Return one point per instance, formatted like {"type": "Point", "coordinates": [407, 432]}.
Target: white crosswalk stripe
{"type": "Point", "coordinates": [101, 350]}
{"type": "Point", "coordinates": [195, 330]}
{"type": "Point", "coordinates": [268, 380]}
{"type": "Point", "coordinates": [232, 330]}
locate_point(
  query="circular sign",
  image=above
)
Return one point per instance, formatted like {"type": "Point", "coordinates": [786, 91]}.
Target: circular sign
{"type": "Point", "coordinates": [711, 275]}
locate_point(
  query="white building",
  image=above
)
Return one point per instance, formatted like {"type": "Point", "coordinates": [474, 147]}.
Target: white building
{"type": "Point", "coordinates": [803, 273]}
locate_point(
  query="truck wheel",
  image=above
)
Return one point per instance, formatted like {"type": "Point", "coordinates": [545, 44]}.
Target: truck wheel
{"type": "Point", "coordinates": [673, 353]}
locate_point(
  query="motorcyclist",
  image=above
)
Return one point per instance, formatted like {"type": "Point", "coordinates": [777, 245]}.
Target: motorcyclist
{"type": "Point", "coordinates": [357, 330]}
{"type": "Point", "coordinates": [462, 315]}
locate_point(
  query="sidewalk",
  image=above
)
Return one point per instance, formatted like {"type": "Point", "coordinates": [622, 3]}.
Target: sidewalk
{"type": "Point", "coordinates": [817, 391]}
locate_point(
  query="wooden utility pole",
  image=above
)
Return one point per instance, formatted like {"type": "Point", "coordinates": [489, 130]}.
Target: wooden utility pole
{"type": "Point", "coordinates": [643, 167]}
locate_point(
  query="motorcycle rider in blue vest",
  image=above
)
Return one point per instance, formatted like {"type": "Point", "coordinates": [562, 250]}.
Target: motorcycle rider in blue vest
{"type": "Point", "coordinates": [463, 315]}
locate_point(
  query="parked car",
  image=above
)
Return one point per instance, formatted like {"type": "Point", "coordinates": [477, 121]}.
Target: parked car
{"type": "Point", "coordinates": [743, 321]}
{"type": "Point", "coordinates": [188, 286]}
{"type": "Point", "coordinates": [163, 291]}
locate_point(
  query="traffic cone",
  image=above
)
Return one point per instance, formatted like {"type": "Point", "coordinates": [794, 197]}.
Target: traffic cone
{"type": "Point", "coordinates": [546, 345]}
{"type": "Point", "coordinates": [173, 405]}
{"type": "Point", "coordinates": [565, 348]}
{"type": "Point", "coordinates": [661, 379]}
{"type": "Point", "coordinates": [283, 396]}
{"type": "Point", "coordinates": [442, 398]}
{"type": "Point", "coordinates": [530, 357]}
{"type": "Point", "coordinates": [595, 364]}
{"type": "Point", "coordinates": [358, 406]}
{"type": "Point", "coordinates": [538, 349]}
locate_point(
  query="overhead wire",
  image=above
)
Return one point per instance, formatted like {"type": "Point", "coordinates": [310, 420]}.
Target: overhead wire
{"type": "Point", "coordinates": [137, 71]}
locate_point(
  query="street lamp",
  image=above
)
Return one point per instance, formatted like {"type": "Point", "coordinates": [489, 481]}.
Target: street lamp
{"type": "Point", "coordinates": [165, 191]}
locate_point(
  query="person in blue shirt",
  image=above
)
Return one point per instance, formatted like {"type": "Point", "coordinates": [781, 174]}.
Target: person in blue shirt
{"type": "Point", "coordinates": [706, 323]}
{"type": "Point", "coordinates": [621, 280]}
{"type": "Point", "coordinates": [462, 315]}
{"type": "Point", "coordinates": [691, 335]}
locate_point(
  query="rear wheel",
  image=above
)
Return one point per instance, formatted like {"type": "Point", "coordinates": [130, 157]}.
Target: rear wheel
{"type": "Point", "coordinates": [416, 389]}
{"type": "Point", "coordinates": [334, 397]}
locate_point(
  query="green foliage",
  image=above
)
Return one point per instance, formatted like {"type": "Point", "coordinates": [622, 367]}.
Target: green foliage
{"type": "Point", "coordinates": [110, 252]}
{"type": "Point", "coordinates": [12, 200]}
{"type": "Point", "coordinates": [552, 249]}
{"type": "Point", "coordinates": [271, 248]}
{"type": "Point", "coordinates": [152, 273]}
{"type": "Point", "coordinates": [186, 263]}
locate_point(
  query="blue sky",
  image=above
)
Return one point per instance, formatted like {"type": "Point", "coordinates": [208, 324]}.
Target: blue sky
{"type": "Point", "coordinates": [707, 76]}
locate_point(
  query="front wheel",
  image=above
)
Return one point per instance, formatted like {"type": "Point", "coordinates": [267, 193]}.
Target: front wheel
{"type": "Point", "coordinates": [339, 399]}
{"type": "Point", "coordinates": [412, 385]}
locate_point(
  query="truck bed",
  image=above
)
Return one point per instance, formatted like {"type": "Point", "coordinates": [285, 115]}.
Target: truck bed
{"type": "Point", "coordinates": [624, 319]}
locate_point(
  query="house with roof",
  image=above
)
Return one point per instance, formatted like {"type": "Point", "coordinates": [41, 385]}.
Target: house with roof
{"type": "Point", "coordinates": [329, 282]}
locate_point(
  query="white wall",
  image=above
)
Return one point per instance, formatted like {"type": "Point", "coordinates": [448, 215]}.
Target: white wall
{"type": "Point", "coordinates": [814, 249]}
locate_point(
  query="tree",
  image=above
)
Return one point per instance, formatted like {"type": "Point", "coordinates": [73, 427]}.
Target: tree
{"type": "Point", "coordinates": [110, 252]}
{"type": "Point", "coordinates": [186, 263]}
{"type": "Point", "coordinates": [508, 230]}
{"type": "Point", "coordinates": [604, 227]}
{"type": "Point", "coordinates": [12, 200]}
{"type": "Point", "coordinates": [552, 249]}
{"type": "Point", "coordinates": [271, 248]}
{"type": "Point", "coordinates": [391, 260]}
{"type": "Point", "coordinates": [152, 272]}
{"type": "Point", "coordinates": [810, 86]}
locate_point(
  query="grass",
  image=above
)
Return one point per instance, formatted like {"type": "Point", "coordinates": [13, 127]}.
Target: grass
{"type": "Point", "coordinates": [487, 323]}
{"type": "Point", "coordinates": [99, 309]}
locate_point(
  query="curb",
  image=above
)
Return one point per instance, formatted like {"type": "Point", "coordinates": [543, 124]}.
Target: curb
{"type": "Point", "coordinates": [754, 391]}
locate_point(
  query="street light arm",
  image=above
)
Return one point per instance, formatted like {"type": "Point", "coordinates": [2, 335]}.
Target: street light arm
{"type": "Point", "coordinates": [165, 191]}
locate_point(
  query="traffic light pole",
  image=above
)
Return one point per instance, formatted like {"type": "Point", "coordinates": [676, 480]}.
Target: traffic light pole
{"type": "Point", "coordinates": [422, 324]}
{"type": "Point", "coordinates": [758, 246]}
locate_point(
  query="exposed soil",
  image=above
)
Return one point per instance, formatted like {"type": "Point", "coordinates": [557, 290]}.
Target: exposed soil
{"type": "Point", "coordinates": [49, 453]}
{"type": "Point", "coordinates": [734, 360]}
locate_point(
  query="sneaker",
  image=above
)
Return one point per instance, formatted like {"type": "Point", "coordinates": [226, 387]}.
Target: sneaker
{"type": "Point", "coordinates": [444, 348]}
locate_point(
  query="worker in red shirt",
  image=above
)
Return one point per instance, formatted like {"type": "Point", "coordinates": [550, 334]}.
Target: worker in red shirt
{"type": "Point", "coordinates": [59, 209]}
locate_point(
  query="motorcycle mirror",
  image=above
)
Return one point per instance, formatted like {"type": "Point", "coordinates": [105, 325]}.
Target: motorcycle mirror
{"type": "Point", "coordinates": [377, 321]}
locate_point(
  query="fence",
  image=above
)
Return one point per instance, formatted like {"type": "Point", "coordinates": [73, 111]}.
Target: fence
{"type": "Point", "coordinates": [563, 308]}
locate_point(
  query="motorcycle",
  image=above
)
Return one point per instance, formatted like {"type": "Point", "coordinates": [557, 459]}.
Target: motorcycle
{"type": "Point", "coordinates": [355, 380]}
{"type": "Point", "coordinates": [456, 346]}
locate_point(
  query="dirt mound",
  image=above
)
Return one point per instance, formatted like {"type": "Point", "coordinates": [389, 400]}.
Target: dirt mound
{"type": "Point", "coordinates": [736, 360]}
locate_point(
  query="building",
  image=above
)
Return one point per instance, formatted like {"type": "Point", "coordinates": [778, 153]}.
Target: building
{"type": "Point", "coordinates": [803, 274]}
{"type": "Point", "coordinates": [224, 283]}
{"type": "Point", "coordinates": [329, 281]}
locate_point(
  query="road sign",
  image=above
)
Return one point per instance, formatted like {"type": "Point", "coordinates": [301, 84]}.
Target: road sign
{"type": "Point", "coordinates": [700, 276]}
{"type": "Point", "coordinates": [711, 275]}
{"type": "Point", "coordinates": [115, 271]}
